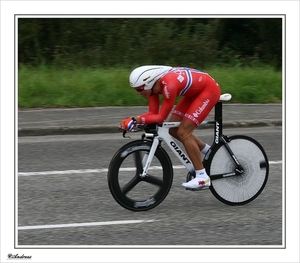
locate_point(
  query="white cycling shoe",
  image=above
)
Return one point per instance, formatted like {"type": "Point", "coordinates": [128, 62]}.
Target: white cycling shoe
{"type": "Point", "coordinates": [198, 183]}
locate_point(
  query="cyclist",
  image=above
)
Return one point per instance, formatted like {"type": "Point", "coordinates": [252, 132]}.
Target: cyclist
{"type": "Point", "coordinates": [199, 93]}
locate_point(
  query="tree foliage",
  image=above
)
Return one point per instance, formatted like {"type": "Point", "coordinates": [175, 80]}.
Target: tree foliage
{"type": "Point", "coordinates": [110, 42]}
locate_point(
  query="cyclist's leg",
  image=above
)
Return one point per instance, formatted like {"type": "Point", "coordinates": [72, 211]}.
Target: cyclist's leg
{"type": "Point", "coordinates": [178, 115]}
{"type": "Point", "coordinates": [185, 135]}
{"type": "Point", "coordinates": [201, 106]}
{"type": "Point", "coordinates": [192, 144]}
{"type": "Point", "coordinates": [195, 114]}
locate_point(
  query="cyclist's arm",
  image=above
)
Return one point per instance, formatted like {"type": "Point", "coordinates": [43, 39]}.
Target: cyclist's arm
{"type": "Point", "coordinates": [153, 105]}
{"type": "Point", "coordinates": [155, 115]}
{"type": "Point", "coordinates": [153, 109]}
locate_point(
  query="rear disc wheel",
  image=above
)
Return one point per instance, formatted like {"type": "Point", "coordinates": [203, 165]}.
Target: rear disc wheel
{"type": "Point", "coordinates": [244, 188]}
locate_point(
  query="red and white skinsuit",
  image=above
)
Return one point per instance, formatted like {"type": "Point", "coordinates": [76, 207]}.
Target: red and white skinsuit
{"type": "Point", "coordinates": [199, 91]}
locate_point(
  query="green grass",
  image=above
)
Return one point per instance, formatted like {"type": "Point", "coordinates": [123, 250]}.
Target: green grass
{"type": "Point", "coordinates": [53, 87]}
{"type": "Point", "coordinates": [250, 85]}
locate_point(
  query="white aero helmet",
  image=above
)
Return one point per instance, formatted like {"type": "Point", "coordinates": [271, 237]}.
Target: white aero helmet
{"type": "Point", "coordinates": [147, 75]}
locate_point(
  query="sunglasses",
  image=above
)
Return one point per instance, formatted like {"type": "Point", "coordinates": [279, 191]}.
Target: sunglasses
{"type": "Point", "coordinates": [140, 89]}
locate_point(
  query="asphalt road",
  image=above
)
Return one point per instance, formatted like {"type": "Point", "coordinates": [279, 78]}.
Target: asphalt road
{"type": "Point", "coordinates": [64, 200]}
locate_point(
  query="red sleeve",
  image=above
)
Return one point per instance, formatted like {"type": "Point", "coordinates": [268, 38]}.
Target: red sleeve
{"type": "Point", "coordinates": [159, 116]}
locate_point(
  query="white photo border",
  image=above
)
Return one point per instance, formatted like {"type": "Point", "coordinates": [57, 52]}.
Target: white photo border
{"type": "Point", "coordinates": [289, 10]}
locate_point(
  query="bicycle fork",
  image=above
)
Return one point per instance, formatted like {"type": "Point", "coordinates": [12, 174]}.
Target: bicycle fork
{"type": "Point", "coordinates": [147, 159]}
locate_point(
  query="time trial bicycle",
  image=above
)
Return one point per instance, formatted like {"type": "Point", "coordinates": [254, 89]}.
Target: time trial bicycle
{"type": "Point", "coordinates": [140, 173]}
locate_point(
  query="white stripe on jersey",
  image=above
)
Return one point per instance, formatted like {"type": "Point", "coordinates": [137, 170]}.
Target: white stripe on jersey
{"type": "Point", "coordinates": [189, 77]}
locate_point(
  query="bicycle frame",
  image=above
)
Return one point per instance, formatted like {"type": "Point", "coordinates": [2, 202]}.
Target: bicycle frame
{"type": "Point", "coordinates": [162, 134]}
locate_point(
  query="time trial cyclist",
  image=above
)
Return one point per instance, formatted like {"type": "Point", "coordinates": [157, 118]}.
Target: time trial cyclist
{"type": "Point", "coordinates": [199, 92]}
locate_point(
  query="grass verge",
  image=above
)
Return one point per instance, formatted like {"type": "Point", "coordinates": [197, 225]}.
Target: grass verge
{"type": "Point", "coordinates": [47, 87]}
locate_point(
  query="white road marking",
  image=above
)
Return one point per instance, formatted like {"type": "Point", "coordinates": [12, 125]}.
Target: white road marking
{"type": "Point", "coordinates": [104, 170]}
{"type": "Point", "coordinates": [275, 162]}
{"type": "Point", "coordinates": [123, 222]}
{"type": "Point", "coordinates": [84, 171]}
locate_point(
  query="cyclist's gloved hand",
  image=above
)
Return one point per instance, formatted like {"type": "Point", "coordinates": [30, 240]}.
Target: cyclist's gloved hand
{"type": "Point", "coordinates": [128, 124]}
